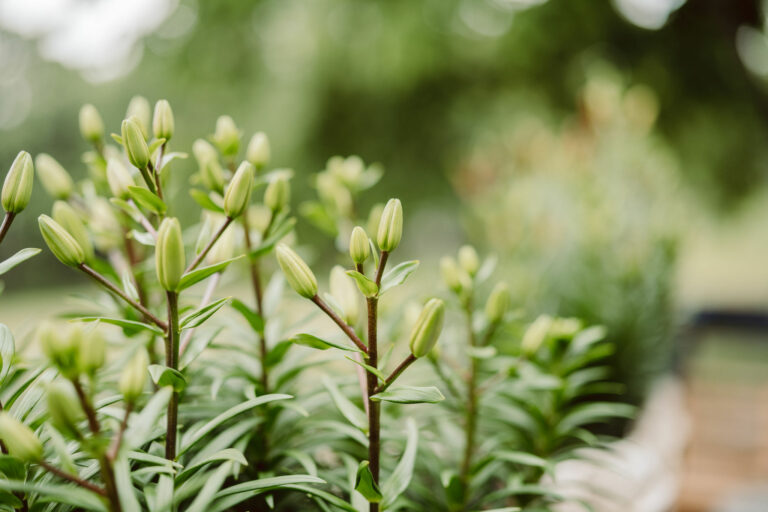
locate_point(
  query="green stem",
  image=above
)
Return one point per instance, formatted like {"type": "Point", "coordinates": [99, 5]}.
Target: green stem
{"type": "Point", "coordinates": [73, 478]}
{"type": "Point", "coordinates": [172, 361]}
{"type": "Point", "coordinates": [470, 422]}
{"type": "Point", "coordinates": [258, 293]}
{"type": "Point", "coordinates": [199, 258]}
{"type": "Point", "coordinates": [341, 323]}
{"type": "Point", "coordinates": [396, 373]}
{"type": "Point", "coordinates": [6, 225]}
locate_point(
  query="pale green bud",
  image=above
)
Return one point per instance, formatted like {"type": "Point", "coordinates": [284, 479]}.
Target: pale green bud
{"type": "Point", "coordinates": [140, 109]}
{"type": "Point", "coordinates": [17, 188]}
{"type": "Point", "coordinates": [54, 178]}
{"type": "Point", "coordinates": [64, 409]}
{"type": "Point", "coordinates": [227, 136]}
{"type": "Point", "coordinates": [427, 329]}
{"type": "Point", "coordinates": [204, 152]}
{"type": "Point", "coordinates": [119, 178]}
{"type": "Point", "coordinates": [359, 246]}
{"type": "Point", "coordinates": [332, 192]}
{"type": "Point", "coordinates": [20, 440]}
{"type": "Point", "coordinates": [61, 346]}
{"type": "Point", "coordinates": [135, 143]}
{"type": "Point", "coordinates": [535, 335]}
{"type": "Point", "coordinates": [212, 175]}
{"type": "Point", "coordinates": [374, 217]}
{"type": "Point", "coordinates": [453, 276]}
{"type": "Point", "coordinates": [91, 125]}
{"type": "Point", "coordinates": [498, 303]}
{"type": "Point", "coordinates": [92, 352]}
{"type": "Point", "coordinates": [107, 232]}
{"type": "Point", "coordinates": [62, 244]}
{"type": "Point", "coordinates": [223, 249]}
{"type": "Point", "coordinates": [71, 221]}
{"type": "Point", "coordinates": [258, 151]}
{"type": "Point", "coordinates": [278, 194]}
{"type": "Point", "coordinates": [162, 122]}
{"type": "Point", "coordinates": [469, 260]}
{"type": "Point", "coordinates": [169, 254]}
{"type": "Point", "coordinates": [390, 226]}
{"type": "Point", "coordinates": [134, 376]}
{"type": "Point", "coordinates": [238, 193]}
{"type": "Point", "coordinates": [345, 292]}
{"type": "Point", "coordinates": [297, 273]}
{"type": "Point", "coordinates": [347, 170]}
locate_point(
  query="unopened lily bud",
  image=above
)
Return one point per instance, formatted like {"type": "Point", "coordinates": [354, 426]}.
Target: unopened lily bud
{"type": "Point", "coordinates": [345, 292]}
{"type": "Point", "coordinates": [17, 187]}
{"type": "Point", "coordinates": [469, 260]}
{"type": "Point", "coordinates": [204, 152]}
{"type": "Point", "coordinates": [140, 109]}
{"type": "Point", "coordinates": [227, 136]}
{"type": "Point", "coordinates": [134, 376]}
{"type": "Point", "coordinates": [107, 233]}
{"type": "Point", "coordinates": [427, 329]}
{"type": "Point", "coordinates": [64, 410]}
{"type": "Point", "coordinates": [223, 249]}
{"type": "Point", "coordinates": [238, 193]}
{"type": "Point", "coordinates": [359, 246]}
{"type": "Point", "coordinates": [258, 151]}
{"type": "Point", "coordinates": [212, 175]}
{"type": "Point", "coordinates": [296, 271]}
{"type": "Point", "coordinates": [169, 254]}
{"type": "Point", "coordinates": [20, 440]}
{"type": "Point", "coordinates": [535, 335]}
{"type": "Point", "coordinates": [119, 178]}
{"type": "Point", "coordinates": [162, 122]}
{"type": "Point", "coordinates": [498, 303]}
{"type": "Point", "coordinates": [62, 244]}
{"type": "Point", "coordinates": [61, 347]}
{"type": "Point", "coordinates": [91, 125]}
{"type": "Point", "coordinates": [92, 352]}
{"type": "Point", "coordinates": [54, 178]}
{"type": "Point", "coordinates": [70, 220]}
{"type": "Point", "coordinates": [278, 194]}
{"type": "Point", "coordinates": [453, 277]}
{"type": "Point", "coordinates": [390, 226]}
{"type": "Point", "coordinates": [135, 143]}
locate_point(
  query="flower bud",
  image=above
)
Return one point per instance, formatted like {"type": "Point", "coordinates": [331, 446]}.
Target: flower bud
{"type": "Point", "coordinates": [61, 346]}
{"type": "Point", "coordinates": [298, 274]}
{"type": "Point", "coordinates": [359, 246]}
{"type": "Point", "coordinates": [227, 136]}
{"type": "Point", "coordinates": [204, 152]}
{"type": "Point", "coordinates": [223, 249]}
{"type": "Point", "coordinates": [258, 151]}
{"type": "Point", "coordinates": [212, 175]}
{"type": "Point", "coordinates": [391, 226]}
{"type": "Point", "coordinates": [140, 109]}
{"type": "Point", "coordinates": [169, 254]}
{"type": "Point", "coordinates": [60, 242]}
{"type": "Point", "coordinates": [91, 125]}
{"type": "Point", "coordinates": [107, 232]}
{"type": "Point", "coordinates": [64, 410]}
{"type": "Point", "coordinates": [345, 292]}
{"type": "Point", "coordinates": [498, 303]}
{"type": "Point", "coordinates": [374, 217]}
{"type": "Point", "coordinates": [55, 179]}
{"type": "Point", "coordinates": [21, 442]}
{"type": "Point", "coordinates": [333, 193]}
{"type": "Point", "coordinates": [119, 178]}
{"type": "Point", "coordinates": [427, 329]}
{"type": "Point", "coordinates": [238, 193]}
{"type": "Point", "coordinates": [17, 188]}
{"type": "Point", "coordinates": [135, 143]}
{"type": "Point", "coordinates": [70, 220]}
{"type": "Point", "coordinates": [468, 260]}
{"type": "Point", "coordinates": [453, 276]}
{"type": "Point", "coordinates": [535, 335]}
{"type": "Point", "coordinates": [92, 352]}
{"type": "Point", "coordinates": [162, 122]}
{"type": "Point", "coordinates": [278, 194]}
{"type": "Point", "coordinates": [134, 376]}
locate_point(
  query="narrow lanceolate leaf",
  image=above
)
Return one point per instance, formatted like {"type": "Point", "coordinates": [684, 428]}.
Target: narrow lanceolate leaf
{"type": "Point", "coordinates": [365, 485]}
{"type": "Point", "coordinates": [350, 411]}
{"type": "Point", "coordinates": [397, 275]}
{"type": "Point", "coordinates": [253, 318]}
{"type": "Point", "coordinates": [147, 200]}
{"type": "Point", "coordinates": [164, 376]}
{"type": "Point", "coordinates": [20, 257]}
{"type": "Point", "coordinates": [143, 237]}
{"type": "Point", "coordinates": [369, 368]}
{"type": "Point", "coordinates": [277, 234]}
{"type": "Point", "coordinates": [212, 485]}
{"type": "Point", "coordinates": [128, 286]}
{"type": "Point", "coordinates": [595, 412]}
{"type": "Point", "coordinates": [126, 491]}
{"type": "Point", "coordinates": [125, 324]}
{"type": "Point", "coordinates": [202, 314]}
{"type": "Point", "coordinates": [367, 287]}
{"type": "Point", "coordinates": [63, 494]}
{"type": "Point", "coordinates": [170, 157]}
{"type": "Point", "coordinates": [522, 458]}
{"type": "Point", "coordinates": [205, 201]}
{"type": "Point", "coordinates": [398, 481]}
{"type": "Point", "coordinates": [7, 350]}
{"type": "Point", "coordinates": [227, 498]}
{"type": "Point", "coordinates": [141, 426]}
{"type": "Point", "coordinates": [314, 342]}
{"type": "Point", "coordinates": [199, 274]}
{"type": "Point", "coordinates": [410, 395]}
{"type": "Point", "coordinates": [227, 454]}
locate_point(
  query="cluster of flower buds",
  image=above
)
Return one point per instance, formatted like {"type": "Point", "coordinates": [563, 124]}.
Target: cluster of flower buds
{"type": "Point", "coordinates": [17, 187]}
{"type": "Point", "coordinates": [74, 351]}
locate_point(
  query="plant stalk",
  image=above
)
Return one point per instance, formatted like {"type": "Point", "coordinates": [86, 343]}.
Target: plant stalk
{"type": "Point", "coordinates": [341, 323]}
{"type": "Point", "coordinates": [408, 361]}
{"type": "Point", "coordinates": [6, 225]}
{"type": "Point", "coordinates": [172, 361]}
{"type": "Point", "coordinates": [470, 422]}
{"type": "Point", "coordinates": [74, 479]}
{"type": "Point", "coordinates": [253, 265]}
{"type": "Point", "coordinates": [199, 258]}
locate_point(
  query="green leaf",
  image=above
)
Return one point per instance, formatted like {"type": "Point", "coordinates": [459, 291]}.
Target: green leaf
{"type": "Point", "coordinates": [311, 341]}
{"type": "Point", "coordinates": [277, 234]}
{"type": "Point", "coordinates": [141, 428]}
{"type": "Point", "coordinates": [128, 287]}
{"type": "Point", "coordinates": [227, 454]}
{"type": "Point", "coordinates": [350, 411]}
{"type": "Point", "coordinates": [230, 496]}
{"type": "Point", "coordinates": [398, 481]}
{"type": "Point", "coordinates": [147, 200]}
{"type": "Point", "coordinates": [252, 317]}
{"type": "Point", "coordinates": [317, 214]}
{"type": "Point", "coordinates": [369, 368]}
{"type": "Point", "coordinates": [117, 138]}
{"type": "Point", "coordinates": [7, 351]}
{"type": "Point", "coordinates": [199, 274]}
{"type": "Point", "coordinates": [63, 494]}
{"type": "Point", "coordinates": [367, 287]}
{"type": "Point", "coordinates": [19, 257]}
{"type": "Point", "coordinates": [277, 353]}
{"type": "Point", "coordinates": [365, 485]}
{"type": "Point", "coordinates": [397, 275]}
{"type": "Point", "coordinates": [126, 491]}
{"type": "Point", "coordinates": [521, 458]}
{"type": "Point", "coordinates": [595, 412]}
{"type": "Point", "coordinates": [205, 201]}
{"type": "Point", "coordinates": [131, 325]}
{"type": "Point", "coordinates": [212, 485]}
{"type": "Point", "coordinates": [155, 144]}
{"type": "Point", "coordinates": [12, 468]}
{"type": "Point", "coordinates": [170, 157]}
{"type": "Point", "coordinates": [410, 395]}
{"type": "Point", "coordinates": [202, 314]}
{"type": "Point", "coordinates": [482, 352]}
{"type": "Point", "coordinates": [143, 237]}
{"type": "Point", "coordinates": [164, 376]}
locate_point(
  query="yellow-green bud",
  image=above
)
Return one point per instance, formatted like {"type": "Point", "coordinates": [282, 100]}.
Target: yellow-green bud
{"type": "Point", "coordinates": [21, 442]}
{"type": "Point", "coordinates": [119, 178]}
{"type": "Point", "coordinates": [204, 152]}
{"type": "Point", "coordinates": [238, 193]}
{"type": "Point", "coordinates": [91, 125]}
{"type": "Point", "coordinates": [162, 122]}
{"type": "Point", "coordinates": [427, 329]}
{"type": "Point", "coordinates": [278, 194]}
{"type": "Point", "coordinates": [17, 188]}
{"type": "Point", "coordinates": [62, 244]}
{"type": "Point", "coordinates": [212, 175]}
{"type": "Point", "coordinates": [140, 109]}
{"type": "Point", "coordinates": [297, 273]}
{"type": "Point", "coordinates": [258, 151]}
{"type": "Point", "coordinates": [469, 260]}
{"type": "Point", "coordinates": [169, 254]}
{"type": "Point", "coordinates": [61, 346]}
{"type": "Point", "coordinates": [135, 143]}
{"type": "Point", "coordinates": [227, 136]}
{"type": "Point", "coordinates": [224, 248]}
{"type": "Point", "coordinates": [70, 220]}
{"type": "Point", "coordinates": [345, 292]}
{"type": "Point", "coordinates": [92, 352]}
{"type": "Point", "coordinates": [359, 246]}
{"type": "Point", "coordinates": [535, 335]}
{"type": "Point", "coordinates": [453, 277]}
{"type": "Point", "coordinates": [498, 303]}
{"type": "Point", "coordinates": [64, 410]}
{"type": "Point", "coordinates": [390, 226]}
{"type": "Point", "coordinates": [54, 178]}
{"type": "Point", "coordinates": [134, 376]}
